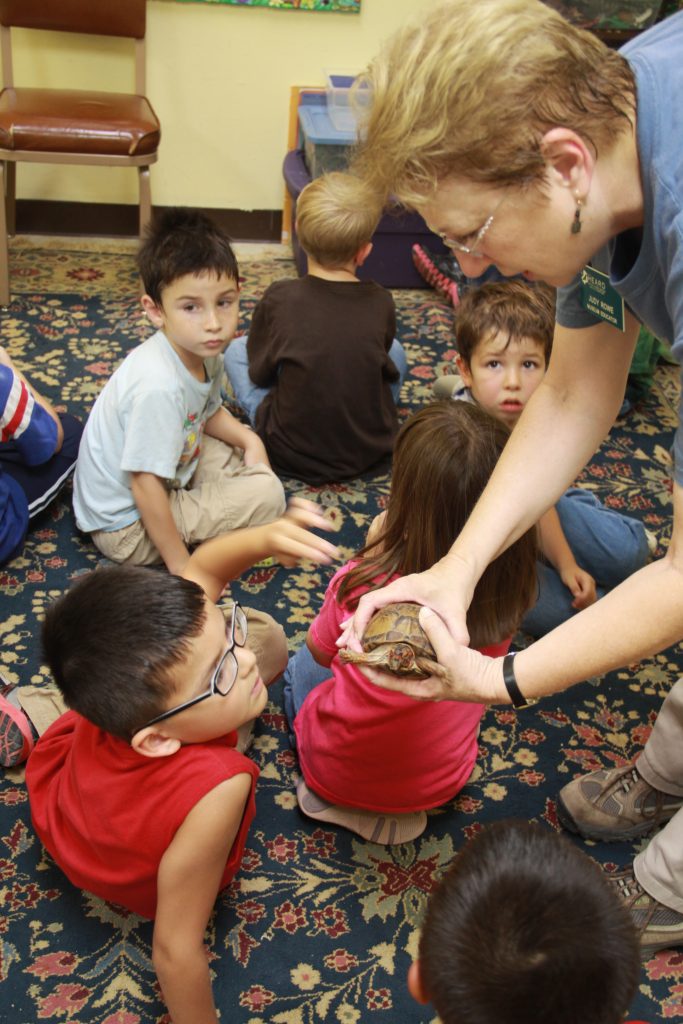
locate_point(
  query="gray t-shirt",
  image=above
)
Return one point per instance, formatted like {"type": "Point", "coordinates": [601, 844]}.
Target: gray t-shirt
{"type": "Point", "coordinates": [647, 271]}
{"type": "Point", "coordinates": [149, 418]}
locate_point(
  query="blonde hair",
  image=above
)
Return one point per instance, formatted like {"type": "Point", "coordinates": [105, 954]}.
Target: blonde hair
{"type": "Point", "coordinates": [470, 89]}
{"type": "Point", "coordinates": [336, 215]}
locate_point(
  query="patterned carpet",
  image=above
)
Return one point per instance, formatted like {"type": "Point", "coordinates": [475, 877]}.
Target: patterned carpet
{"type": "Point", "coordinates": [319, 926]}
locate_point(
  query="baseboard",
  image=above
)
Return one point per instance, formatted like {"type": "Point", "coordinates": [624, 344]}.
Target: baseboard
{"type": "Point", "coordinates": [43, 217]}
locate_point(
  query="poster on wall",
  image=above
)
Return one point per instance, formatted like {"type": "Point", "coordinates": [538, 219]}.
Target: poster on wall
{"type": "Point", "coordinates": [340, 6]}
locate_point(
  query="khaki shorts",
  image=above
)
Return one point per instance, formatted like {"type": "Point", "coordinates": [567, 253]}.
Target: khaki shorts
{"type": "Point", "coordinates": [223, 495]}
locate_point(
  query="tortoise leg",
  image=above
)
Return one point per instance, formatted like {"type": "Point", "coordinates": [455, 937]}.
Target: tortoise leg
{"type": "Point", "coordinates": [362, 657]}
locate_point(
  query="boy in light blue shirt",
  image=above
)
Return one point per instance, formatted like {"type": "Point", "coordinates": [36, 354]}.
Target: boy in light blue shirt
{"type": "Point", "coordinates": [162, 465]}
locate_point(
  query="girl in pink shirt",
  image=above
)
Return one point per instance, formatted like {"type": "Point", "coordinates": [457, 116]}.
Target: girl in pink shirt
{"type": "Point", "coordinates": [374, 760]}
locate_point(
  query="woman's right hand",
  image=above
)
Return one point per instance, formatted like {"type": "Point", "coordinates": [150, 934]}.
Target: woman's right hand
{"type": "Point", "coordinates": [441, 588]}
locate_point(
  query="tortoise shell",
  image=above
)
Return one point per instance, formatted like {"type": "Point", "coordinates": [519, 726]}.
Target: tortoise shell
{"type": "Point", "coordinates": [395, 641]}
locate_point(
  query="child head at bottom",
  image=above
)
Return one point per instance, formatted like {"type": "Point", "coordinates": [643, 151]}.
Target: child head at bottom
{"type": "Point", "coordinates": [523, 927]}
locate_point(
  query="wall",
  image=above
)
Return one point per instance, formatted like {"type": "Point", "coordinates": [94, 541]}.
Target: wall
{"type": "Point", "coordinates": [219, 77]}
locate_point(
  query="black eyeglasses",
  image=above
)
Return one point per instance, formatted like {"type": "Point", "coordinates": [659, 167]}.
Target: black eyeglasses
{"type": "Point", "coordinates": [225, 676]}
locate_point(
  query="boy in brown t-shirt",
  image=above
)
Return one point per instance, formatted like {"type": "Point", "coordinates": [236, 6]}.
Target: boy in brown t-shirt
{"type": "Point", "coordinates": [320, 371]}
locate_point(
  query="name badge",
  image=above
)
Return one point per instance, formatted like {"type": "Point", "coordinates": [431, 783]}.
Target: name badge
{"type": "Point", "coordinates": [601, 299]}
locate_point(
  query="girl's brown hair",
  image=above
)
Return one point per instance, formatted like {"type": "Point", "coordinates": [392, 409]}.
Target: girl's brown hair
{"type": "Point", "coordinates": [443, 458]}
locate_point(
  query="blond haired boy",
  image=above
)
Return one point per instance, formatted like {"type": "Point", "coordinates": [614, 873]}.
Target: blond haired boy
{"type": "Point", "coordinates": [320, 371]}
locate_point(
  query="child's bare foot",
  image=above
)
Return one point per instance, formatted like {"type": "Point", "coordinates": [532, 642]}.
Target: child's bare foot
{"type": "Point", "coordinates": [385, 829]}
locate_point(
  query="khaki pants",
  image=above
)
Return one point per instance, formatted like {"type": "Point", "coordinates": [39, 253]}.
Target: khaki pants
{"type": "Point", "coordinates": [659, 868]}
{"type": "Point", "coordinates": [223, 495]}
{"type": "Point", "coordinates": [265, 637]}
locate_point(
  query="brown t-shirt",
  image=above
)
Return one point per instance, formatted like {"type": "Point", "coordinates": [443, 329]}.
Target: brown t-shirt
{"type": "Point", "coordinates": [321, 347]}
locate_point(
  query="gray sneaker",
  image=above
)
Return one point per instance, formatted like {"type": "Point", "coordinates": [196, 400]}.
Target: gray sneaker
{"type": "Point", "coordinates": [613, 804]}
{"type": "Point", "coordinates": [443, 387]}
{"type": "Point", "coordinates": [660, 927]}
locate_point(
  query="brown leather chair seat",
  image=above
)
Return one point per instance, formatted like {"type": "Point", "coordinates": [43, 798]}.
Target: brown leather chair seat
{"type": "Point", "coordinates": [70, 126]}
{"type": "Point", "coordinates": [43, 121]}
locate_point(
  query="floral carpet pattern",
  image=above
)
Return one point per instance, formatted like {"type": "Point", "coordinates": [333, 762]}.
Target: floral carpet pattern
{"type": "Point", "coordinates": [319, 925]}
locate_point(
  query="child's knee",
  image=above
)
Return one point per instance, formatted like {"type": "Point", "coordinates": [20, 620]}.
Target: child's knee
{"type": "Point", "coordinates": [267, 640]}
{"type": "Point", "coordinates": [269, 498]}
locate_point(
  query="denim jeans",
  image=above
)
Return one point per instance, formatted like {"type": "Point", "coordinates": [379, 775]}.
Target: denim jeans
{"type": "Point", "coordinates": [608, 545]}
{"type": "Point", "coordinates": [250, 396]}
{"type": "Point", "coordinates": [303, 674]}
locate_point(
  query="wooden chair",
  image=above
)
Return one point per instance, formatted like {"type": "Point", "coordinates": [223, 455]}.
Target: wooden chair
{"type": "Point", "coordinates": [70, 126]}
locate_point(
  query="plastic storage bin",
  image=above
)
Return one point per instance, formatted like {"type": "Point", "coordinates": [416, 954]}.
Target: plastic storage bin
{"type": "Point", "coordinates": [341, 111]}
{"type": "Point", "coordinates": [326, 147]}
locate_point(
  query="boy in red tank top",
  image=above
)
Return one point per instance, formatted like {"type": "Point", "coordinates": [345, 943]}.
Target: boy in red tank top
{"type": "Point", "coordinates": [138, 792]}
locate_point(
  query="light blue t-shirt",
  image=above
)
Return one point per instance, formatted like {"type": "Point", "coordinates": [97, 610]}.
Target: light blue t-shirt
{"type": "Point", "coordinates": [649, 274]}
{"type": "Point", "coordinates": [149, 418]}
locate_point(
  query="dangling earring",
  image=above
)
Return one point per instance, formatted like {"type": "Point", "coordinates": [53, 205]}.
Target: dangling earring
{"type": "Point", "coordinates": [576, 223]}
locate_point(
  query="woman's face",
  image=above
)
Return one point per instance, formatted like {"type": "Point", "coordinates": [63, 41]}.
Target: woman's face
{"type": "Point", "coordinates": [529, 231]}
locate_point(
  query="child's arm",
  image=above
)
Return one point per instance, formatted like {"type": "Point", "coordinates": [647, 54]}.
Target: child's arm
{"type": "Point", "coordinates": [322, 657]}
{"type": "Point", "coordinates": [261, 346]}
{"type": "Point", "coordinates": [151, 498]}
{"type": "Point", "coordinates": [6, 360]}
{"type": "Point", "coordinates": [375, 529]}
{"type": "Point", "coordinates": [187, 885]}
{"type": "Point", "coordinates": [223, 558]}
{"type": "Point", "coordinates": [223, 426]}
{"type": "Point", "coordinates": [555, 548]}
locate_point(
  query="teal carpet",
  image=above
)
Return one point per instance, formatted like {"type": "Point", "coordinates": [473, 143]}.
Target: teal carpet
{"type": "Point", "coordinates": [318, 926]}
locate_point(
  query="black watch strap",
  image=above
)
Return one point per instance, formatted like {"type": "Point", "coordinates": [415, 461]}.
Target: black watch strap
{"type": "Point", "coordinates": [516, 696]}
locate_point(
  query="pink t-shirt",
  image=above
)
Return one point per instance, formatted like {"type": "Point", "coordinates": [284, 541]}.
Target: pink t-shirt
{"type": "Point", "coordinates": [107, 814]}
{"type": "Point", "coordinates": [362, 746]}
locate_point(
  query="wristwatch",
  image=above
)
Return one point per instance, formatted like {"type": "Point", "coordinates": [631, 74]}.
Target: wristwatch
{"type": "Point", "coordinates": [516, 696]}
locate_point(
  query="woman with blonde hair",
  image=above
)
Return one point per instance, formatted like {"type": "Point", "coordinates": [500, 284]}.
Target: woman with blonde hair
{"type": "Point", "coordinates": [526, 143]}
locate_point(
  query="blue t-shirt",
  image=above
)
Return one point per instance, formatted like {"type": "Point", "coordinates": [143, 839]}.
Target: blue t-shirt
{"type": "Point", "coordinates": [32, 433]}
{"type": "Point", "coordinates": [648, 272]}
{"type": "Point", "coordinates": [149, 418]}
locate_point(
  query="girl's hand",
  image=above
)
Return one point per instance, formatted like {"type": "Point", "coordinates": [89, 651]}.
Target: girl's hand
{"type": "Point", "coordinates": [582, 586]}
{"type": "Point", "coordinates": [470, 676]}
{"type": "Point", "coordinates": [438, 588]}
{"type": "Point", "coordinates": [289, 539]}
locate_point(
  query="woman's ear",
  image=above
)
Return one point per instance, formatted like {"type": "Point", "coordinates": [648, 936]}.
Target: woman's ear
{"type": "Point", "coordinates": [415, 986]}
{"type": "Point", "coordinates": [151, 743]}
{"type": "Point", "coordinates": [570, 161]}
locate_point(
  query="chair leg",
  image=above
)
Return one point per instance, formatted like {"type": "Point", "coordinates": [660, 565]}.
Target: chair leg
{"type": "Point", "coordinates": [145, 199]}
{"type": "Point", "coordinates": [4, 249]}
{"type": "Point", "coordinates": [11, 197]}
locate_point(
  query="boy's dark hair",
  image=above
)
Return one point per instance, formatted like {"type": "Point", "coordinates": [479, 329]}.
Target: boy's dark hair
{"type": "Point", "coordinates": [443, 458]}
{"type": "Point", "coordinates": [182, 241]}
{"type": "Point", "coordinates": [516, 308]}
{"type": "Point", "coordinates": [526, 927]}
{"type": "Point", "coordinates": [113, 638]}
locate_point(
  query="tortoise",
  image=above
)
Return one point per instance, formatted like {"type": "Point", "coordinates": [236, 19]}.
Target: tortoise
{"type": "Point", "coordinates": [395, 641]}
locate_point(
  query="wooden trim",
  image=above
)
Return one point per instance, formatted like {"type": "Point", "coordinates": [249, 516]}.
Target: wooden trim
{"type": "Point", "coordinates": [44, 217]}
